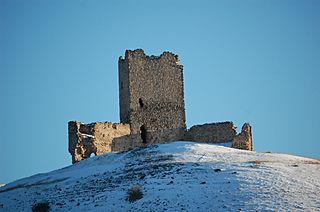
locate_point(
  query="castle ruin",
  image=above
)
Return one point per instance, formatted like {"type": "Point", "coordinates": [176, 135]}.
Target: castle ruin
{"type": "Point", "coordinates": [152, 111]}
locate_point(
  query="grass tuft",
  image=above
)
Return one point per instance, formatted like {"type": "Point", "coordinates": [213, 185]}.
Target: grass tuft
{"type": "Point", "coordinates": [41, 207]}
{"type": "Point", "coordinates": [134, 193]}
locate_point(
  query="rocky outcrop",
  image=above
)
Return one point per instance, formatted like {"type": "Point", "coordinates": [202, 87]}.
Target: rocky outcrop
{"type": "Point", "coordinates": [244, 139]}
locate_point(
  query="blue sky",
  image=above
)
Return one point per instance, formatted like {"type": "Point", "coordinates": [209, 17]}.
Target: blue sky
{"type": "Point", "coordinates": [251, 61]}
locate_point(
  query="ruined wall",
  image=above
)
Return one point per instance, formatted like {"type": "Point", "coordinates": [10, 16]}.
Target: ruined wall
{"type": "Point", "coordinates": [151, 94]}
{"type": "Point", "coordinates": [127, 142]}
{"type": "Point", "coordinates": [97, 138]}
{"type": "Point", "coordinates": [152, 111]}
{"type": "Point", "coordinates": [244, 140]}
{"type": "Point", "coordinates": [222, 132]}
{"type": "Point", "coordinates": [213, 133]}
{"type": "Point", "coordinates": [104, 137]}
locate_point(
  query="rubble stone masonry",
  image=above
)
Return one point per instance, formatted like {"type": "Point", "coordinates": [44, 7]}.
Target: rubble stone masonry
{"type": "Point", "coordinates": [151, 94]}
{"type": "Point", "coordinates": [244, 140]}
{"type": "Point", "coordinates": [96, 138]}
{"type": "Point", "coordinates": [213, 133]}
{"type": "Point", "coordinates": [152, 111]}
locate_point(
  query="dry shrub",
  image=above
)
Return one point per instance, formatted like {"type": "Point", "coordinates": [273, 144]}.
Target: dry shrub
{"type": "Point", "coordinates": [41, 207]}
{"type": "Point", "coordinates": [134, 193]}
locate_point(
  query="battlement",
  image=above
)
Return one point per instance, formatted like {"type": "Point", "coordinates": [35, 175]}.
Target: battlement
{"type": "Point", "coordinates": [152, 111]}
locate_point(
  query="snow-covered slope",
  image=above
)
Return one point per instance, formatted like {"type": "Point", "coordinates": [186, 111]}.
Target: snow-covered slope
{"type": "Point", "coordinates": [176, 176]}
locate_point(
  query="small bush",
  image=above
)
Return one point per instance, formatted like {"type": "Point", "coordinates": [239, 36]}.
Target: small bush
{"type": "Point", "coordinates": [134, 193]}
{"type": "Point", "coordinates": [41, 207]}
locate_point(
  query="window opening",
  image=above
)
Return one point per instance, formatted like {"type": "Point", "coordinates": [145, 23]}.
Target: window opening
{"type": "Point", "coordinates": [143, 133]}
{"type": "Point", "coordinates": [141, 103]}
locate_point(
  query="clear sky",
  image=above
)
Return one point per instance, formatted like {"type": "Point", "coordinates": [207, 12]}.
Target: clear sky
{"type": "Point", "coordinates": [251, 61]}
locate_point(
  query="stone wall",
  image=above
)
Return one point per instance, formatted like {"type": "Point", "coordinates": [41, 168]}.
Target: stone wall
{"type": "Point", "coordinates": [222, 132]}
{"type": "Point", "coordinates": [103, 137]}
{"type": "Point", "coordinates": [151, 93]}
{"type": "Point", "coordinates": [127, 142]}
{"type": "Point", "coordinates": [244, 140]}
{"type": "Point", "coordinates": [212, 133]}
{"type": "Point", "coordinates": [152, 111]}
{"type": "Point", "coordinates": [96, 138]}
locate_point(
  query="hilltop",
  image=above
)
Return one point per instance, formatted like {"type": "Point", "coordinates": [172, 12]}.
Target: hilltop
{"type": "Point", "coordinates": [172, 177]}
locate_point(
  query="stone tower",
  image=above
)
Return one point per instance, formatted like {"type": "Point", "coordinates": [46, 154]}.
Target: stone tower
{"type": "Point", "coordinates": [152, 111]}
{"type": "Point", "coordinates": [152, 96]}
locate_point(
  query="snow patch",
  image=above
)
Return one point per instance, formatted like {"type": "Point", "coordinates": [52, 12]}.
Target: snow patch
{"type": "Point", "coordinates": [174, 176]}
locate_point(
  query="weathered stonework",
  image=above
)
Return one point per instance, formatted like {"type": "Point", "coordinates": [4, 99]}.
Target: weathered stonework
{"type": "Point", "coordinates": [152, 111]}
{"type": "Point", "coordinates": [244, 139]}
{"type": "Point", "coordinates": [213, 133]}
{"type": "Point", "coordinates": [151, 94]}
{"type": "Point", "coordinates": [96, 138]}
